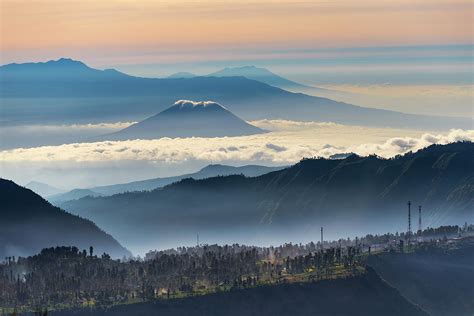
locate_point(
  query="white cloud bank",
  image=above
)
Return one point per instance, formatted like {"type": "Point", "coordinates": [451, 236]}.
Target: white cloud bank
{"type": "Point", "coordinates": [401, 145]}
{"type": "Point", "coordinates": [287, 125]}
{"type": "Point", "coordinates": [300, 139]}
{"type": "Point", "coordinates": [88, 164]}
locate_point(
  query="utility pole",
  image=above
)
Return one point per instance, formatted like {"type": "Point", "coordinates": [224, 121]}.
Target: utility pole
{"type": "Point", "coordinates": [419, 224]}
{"type": "Point", "coordinates": [197, 240]}
{"type": "Point", "coordinates": [322, 239]}
{"type": "Point", "coordinates": [409, 224]}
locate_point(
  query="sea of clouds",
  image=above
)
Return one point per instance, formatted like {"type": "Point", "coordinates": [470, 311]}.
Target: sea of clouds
{"type": "Point", "coordinates": [82, 164]}
{"type": "Point", "coordinates": [288, 143]}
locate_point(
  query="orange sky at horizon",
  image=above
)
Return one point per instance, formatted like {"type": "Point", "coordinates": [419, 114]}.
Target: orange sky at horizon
{"type": "Point", "coordinates": [182, 25]}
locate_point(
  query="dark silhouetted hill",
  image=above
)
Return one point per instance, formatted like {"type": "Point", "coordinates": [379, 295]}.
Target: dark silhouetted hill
{"type": "Point", "coordinates": [29, 223]}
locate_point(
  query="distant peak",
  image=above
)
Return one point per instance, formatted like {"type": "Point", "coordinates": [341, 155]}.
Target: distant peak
{"type": "Point", "coordinates": [181, 75]}
{"type": "Point", "coordinates": [36, 183]}
{"type": "Point", "coordinates": [245, 71]}
{"type": "Point", "coordinates": [213, 167]}
{"type": "Point", "coordinates": [248, 67]}
{"type": "Point", "coordinates": [50, 64]}
{"type": "Point", "coordinates": [66, 61]}
{"type": "Point", "coordinates": [243, 67]}
{"type": "Point", "coordinates": [188, 104]}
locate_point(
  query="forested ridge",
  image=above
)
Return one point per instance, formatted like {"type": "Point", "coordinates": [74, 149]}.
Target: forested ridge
{"type": "Point", "coordinates": [66, 277]}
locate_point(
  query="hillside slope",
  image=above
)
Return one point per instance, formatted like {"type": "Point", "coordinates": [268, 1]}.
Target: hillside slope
{"type": "Point", "coordinates": [441, 282]}
{"type": "Point", "coordinates": [346, 196]}
{"type": "Point", "coordinates": [365, 295]}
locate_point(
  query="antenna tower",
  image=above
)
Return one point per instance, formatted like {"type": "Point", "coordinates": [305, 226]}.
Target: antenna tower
{"type": "Point", "coordinates": [322, 237]}
{"type": "Point", "coordinates": [419, 221]}
{"type": "Point", "coordinates": [409, 232]}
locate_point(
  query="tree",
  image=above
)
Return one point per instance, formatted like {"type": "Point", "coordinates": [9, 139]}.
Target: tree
{"type": "Point", "coordinates": [91, 250]}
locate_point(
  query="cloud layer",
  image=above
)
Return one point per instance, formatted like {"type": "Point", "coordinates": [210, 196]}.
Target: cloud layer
{"type": "Point", "coordinates": [288, 143]}
{"type": "Point", "coordinates": [88, 164]}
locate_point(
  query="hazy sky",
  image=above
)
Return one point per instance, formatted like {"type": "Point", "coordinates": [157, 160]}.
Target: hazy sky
{"type": "Point", "coordinates": [319, 42]}
{"type": "Point", "coordinates": [133, 31]}
{"type": "Point", "coordinates": [406, 55]}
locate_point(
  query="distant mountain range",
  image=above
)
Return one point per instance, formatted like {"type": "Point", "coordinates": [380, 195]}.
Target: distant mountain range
{"type": "Point", "coordinates": [346, 196]}
{"type": "Point", "coordinates": [187, 119]}
{"type": "Point", "coordinates": [72, 195]}
{"type": "Point", "coordinates": [266, 76]}
{"type": "Point", "coordinates": [43, 189]}
{"type": "Point", "coordinates": [255, 73]}
{"type": "Point", "coordinates": [263, 75]}
{"type": "Point", "coordinates": [151, 184]}
{"type": "Point", "coordinates": [29, 223]}
{"type": "Point", "coordinates": [67, 91]}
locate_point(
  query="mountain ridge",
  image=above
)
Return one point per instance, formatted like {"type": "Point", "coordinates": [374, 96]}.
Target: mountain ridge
{"type": "Point", "coordinates": [154, 183]}
{"type": "Point", "coordinates": [263, 75]}
{"type": "Point", "coordinates": [314, 192]}
{"type": "Point", "coordinates": [74, 194]}
{"type": "Point", "coordinates": [100, 96]}
{"type": "Point", "coordinates": [43, 189]}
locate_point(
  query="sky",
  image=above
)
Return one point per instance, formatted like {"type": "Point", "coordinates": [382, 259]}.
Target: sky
{"type": "Point", "coordinates": [414, 56]}
{"type": "Point", "coordinates": [137, 29]}
{"type": "Point", "coordinates": [407, 55]}
{"type": "Point", "coordinates": [126, 32]}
